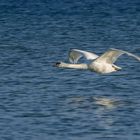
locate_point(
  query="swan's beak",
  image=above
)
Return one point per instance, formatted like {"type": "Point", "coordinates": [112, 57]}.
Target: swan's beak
{"type": "Point", "coordinates": [57, 64]}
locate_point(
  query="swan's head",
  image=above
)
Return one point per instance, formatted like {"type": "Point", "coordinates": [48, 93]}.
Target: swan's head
{"type": "Point", "coordinates": [58, 64]}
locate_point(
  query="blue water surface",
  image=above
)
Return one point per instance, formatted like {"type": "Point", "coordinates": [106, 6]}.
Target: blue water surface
{"type": "Point", "coordinates": [41, 102]}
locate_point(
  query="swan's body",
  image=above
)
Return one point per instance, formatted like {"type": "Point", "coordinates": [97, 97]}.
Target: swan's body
{"type": "Point", "coordinates": [99, 64]}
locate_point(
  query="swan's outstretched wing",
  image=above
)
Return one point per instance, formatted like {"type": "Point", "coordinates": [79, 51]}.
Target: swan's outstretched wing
{"type": "Point", "coordinates": [75, 55]}
{"type": "Point", "coordinates": [112, 55]}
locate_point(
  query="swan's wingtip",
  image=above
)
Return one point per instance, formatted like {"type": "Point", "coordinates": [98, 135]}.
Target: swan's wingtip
{"type": "Point", "coordinates": [70, 49]}
{"type": "Point", "coordinates": [114, 49]}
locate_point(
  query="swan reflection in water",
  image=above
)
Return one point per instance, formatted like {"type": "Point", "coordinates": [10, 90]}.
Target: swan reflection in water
{"type": "Point", "coordinates": [98, 110]}
{"type": "Point", "coordinates": [80, 101]}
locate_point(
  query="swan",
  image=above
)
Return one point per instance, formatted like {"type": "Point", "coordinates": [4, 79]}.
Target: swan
{"type": "Point", "coordinates": [99, 64]}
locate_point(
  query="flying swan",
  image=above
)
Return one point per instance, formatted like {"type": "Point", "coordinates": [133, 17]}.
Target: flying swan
{"type": "Point", "coordinates": [100, 64]}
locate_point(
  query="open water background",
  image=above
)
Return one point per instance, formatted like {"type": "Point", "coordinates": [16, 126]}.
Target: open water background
{"type": "Point", "coordinates": [41, 102]}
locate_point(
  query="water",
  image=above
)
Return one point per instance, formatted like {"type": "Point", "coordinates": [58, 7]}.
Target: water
{"type": "Point", "coordinates": [41, 102]}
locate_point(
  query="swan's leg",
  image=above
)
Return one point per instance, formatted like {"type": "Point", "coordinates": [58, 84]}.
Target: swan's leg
{"type": "Point", "coordinates": [116, 67]}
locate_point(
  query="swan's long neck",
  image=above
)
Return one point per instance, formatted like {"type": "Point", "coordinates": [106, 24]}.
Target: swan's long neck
{"type": "Point", "coordinates": [74, 66]}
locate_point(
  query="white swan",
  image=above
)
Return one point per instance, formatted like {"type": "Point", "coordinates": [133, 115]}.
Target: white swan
{"type": "Point", "coordinates": [100, 64]}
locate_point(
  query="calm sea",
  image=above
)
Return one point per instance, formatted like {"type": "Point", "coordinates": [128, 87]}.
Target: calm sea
{"type": "Point", "coordinates": [41, 102]}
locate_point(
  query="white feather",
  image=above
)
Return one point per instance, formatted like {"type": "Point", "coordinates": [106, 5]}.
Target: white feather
{"type": "Point", "coordinates": [75, 55]}
{"type": "Point", "coordinates": [99, 64]}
